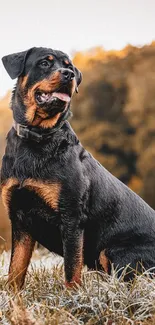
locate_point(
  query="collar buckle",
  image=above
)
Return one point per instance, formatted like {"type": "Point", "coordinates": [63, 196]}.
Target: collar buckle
{"type": "Point", "coordinates": [22, 130]}
{"type": "Point", "coordinates": [24, 133]}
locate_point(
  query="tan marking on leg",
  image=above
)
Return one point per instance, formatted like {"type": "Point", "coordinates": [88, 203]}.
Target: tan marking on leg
{"type": "Point", "coordinates": [50, 193]}
{"type": "Point", "coordinates": [20, 260]}
{"type": "Point", "coordinates": [7, 188]}
{"type": "Point", "coordinates": [78, 267]}
{"type": "Point", "coordinates": [104, 261]}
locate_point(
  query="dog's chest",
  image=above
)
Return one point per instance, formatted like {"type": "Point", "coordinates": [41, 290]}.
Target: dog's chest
{"type": "Point", "coordinates": [48, 191]}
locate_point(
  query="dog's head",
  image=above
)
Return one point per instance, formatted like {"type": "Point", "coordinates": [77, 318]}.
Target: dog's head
{"type": "Point", "coordinates": [46, 82]}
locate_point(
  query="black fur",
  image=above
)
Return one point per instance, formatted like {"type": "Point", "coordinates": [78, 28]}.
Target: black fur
{"type": "Point", "coordinates": [93, 203]}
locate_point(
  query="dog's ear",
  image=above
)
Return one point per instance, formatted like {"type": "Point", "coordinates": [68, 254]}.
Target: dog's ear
{"type": "Point", "coordinates": [78, 76]}
{"type": "Point", "coordinates": [14, 63]}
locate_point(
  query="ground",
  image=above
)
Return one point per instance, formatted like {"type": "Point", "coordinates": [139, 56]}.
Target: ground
{"type": "Point", "coordinates": [102, 299]}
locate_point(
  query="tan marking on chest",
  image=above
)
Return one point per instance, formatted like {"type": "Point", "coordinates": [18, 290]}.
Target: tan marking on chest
{"type": "Point", "coordinates": [7, 189]}
{"type": "Point", "coordinates": [104, 261]}
{"type": "Point", "coordinates": [49, 192]}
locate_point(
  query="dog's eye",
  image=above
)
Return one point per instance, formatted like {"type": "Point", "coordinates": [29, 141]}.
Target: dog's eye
{"type": "Point", "coordinates": [45, 63]}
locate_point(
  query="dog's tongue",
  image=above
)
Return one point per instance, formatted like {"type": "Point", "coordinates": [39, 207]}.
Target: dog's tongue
{"type": "Point", "coordinates": [63, 97]}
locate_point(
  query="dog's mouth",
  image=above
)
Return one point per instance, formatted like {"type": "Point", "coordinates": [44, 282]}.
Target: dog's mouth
{"type": "Point", "coordinates": [46, 98]}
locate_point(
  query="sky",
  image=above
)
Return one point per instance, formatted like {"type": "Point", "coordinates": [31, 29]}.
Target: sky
{"type": "Point", "coordinates": [72, 25]}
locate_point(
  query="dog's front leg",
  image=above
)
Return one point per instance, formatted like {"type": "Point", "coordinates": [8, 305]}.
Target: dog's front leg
{"type": "Point", "coordinates": [73, 238]}
{"type": "Point", "coordinates": [22, 248]}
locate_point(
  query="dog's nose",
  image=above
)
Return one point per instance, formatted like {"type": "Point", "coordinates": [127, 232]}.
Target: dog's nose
{"type": "Point", "coordinates": [67, 74]}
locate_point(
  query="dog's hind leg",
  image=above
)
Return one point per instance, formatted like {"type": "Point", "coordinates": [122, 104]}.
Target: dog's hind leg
{"type": "Point", "coordinates": [73, 238]}
{"type": "Point", "coordinates": [131, 260]}
{"type": "Point", "coordinates": [22, 248]}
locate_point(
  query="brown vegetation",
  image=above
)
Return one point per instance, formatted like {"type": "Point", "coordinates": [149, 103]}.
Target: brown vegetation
{"type": "Point", "coordinates": [114, 113]}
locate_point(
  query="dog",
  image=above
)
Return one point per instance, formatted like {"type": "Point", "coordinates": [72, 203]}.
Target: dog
{"type": "Point", "coordinates": [55, 192]}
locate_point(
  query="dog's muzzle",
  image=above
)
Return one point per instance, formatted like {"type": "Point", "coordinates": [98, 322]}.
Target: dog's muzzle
{"type": "Point", "coordinates": [62, 93]}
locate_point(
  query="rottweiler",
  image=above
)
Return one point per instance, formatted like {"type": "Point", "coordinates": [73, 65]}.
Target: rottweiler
{"type": "Point", "coordinates": [55, 192]}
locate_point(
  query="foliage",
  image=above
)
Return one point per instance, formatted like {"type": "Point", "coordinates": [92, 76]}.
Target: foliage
{"type": "Point", "coordinates": [114, 113]}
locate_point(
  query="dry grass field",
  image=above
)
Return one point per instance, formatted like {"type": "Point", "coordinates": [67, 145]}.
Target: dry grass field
{"type": "Point", "coordinates": [102, 299]}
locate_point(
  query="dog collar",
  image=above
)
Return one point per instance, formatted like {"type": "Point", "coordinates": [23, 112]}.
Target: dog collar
{"type": "Point", "coordinates": [26, 133]}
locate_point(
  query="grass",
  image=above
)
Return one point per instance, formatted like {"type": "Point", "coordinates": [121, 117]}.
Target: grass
{"type": "Point", "coordinates": [102, 299]}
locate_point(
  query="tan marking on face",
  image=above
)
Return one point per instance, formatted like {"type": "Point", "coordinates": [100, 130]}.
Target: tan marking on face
{"type": "Point", "coordinates": [50, 122]}
{"type": "Point", "coordinates": [66, 61]}
{"type": "Point", "coordinates": [42, 113]}
{"type": "Point", "coordinates": [39, 116]}
{"type": "Point", "coordinates": [50, 57]}
{"type": "Point", "coordinates": [23, 81]}
{"type": "Point", "coordinates": [36, 115]}
{"type": "Point", "coordinates": [73, 86]}
{"type": "Point", "coordinates": [20, 260]}
{"type": "Point", "coordinates": [50, 193]}
{"type": "Point", "coordinates": [45, 85]}
{"type": "Point", "coordinates": [7, 189]}
{"type": "Point", "coordinates": [104, 261]}
{"type": "Point", "coordinates": [30, 112]}
{"type": "Point", "coordinates": [78, 265]}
